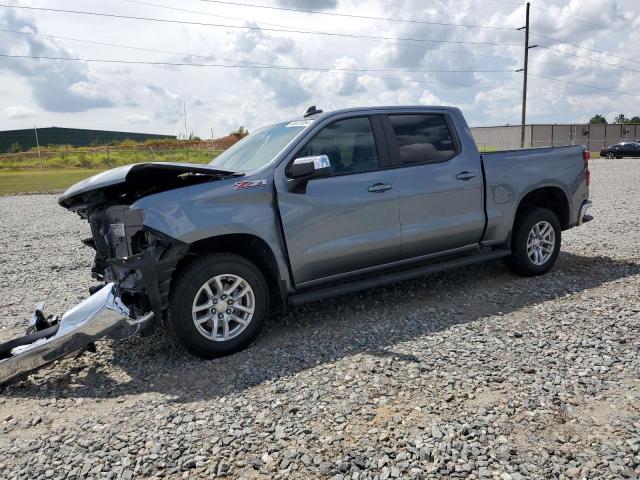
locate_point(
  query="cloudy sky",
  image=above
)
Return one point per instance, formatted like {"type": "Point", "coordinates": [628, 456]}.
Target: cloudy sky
{"type": "Point", "coordinates": [394, 64]}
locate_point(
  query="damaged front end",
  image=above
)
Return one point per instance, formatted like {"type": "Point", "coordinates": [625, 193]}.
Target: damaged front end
{"type": "Point", "coordinates": [136, 259]}
{"type": "Point", "coordinates": [133, 263]}
{"type": "Point", "coordinates": [134, 267]}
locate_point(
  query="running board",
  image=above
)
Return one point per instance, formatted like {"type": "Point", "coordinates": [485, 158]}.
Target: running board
{"type": "Point", "coordinates": [393, 277]}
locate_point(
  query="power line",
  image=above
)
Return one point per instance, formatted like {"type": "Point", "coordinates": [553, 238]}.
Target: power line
{"type": "Point", "coordinates": [209, 57]}
{"type": "Point", "coordinates": [248, 27]}
{"type": "Point", "coordinates": [584, 85]}
{"type": "Point", "coordinates": [601, 52]}
{"type": "Point", "coordinates": [575, 17]}
{"type": "Point", "coordinates": [614, 65]}
{"type": "Point", "coordinates": [343, 71]}
{"type": "Point", "coordinates": [410, 45]}
{"type": "Point", "coordinates": [506, 2]}
{"type": "Point", "coordinates": [131, 47]}
{"type": "Point", "coordinates": [266, 67]}
{"type": "Point", "coordinates": [200, 12]}
{"type": "Point", "coordinates": [350, 15]}
{"type": "Point", "coordinates": [251, 64]}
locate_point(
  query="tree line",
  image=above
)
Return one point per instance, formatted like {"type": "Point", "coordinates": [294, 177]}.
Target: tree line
{"type": "Point", "coordinates": [619, 119]}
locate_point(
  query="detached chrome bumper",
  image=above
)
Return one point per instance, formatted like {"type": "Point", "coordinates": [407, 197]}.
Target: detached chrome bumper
{"type": "Point", "coordinates": [102, 315]}
{"type": "Point", "coordinates": [582, 216]}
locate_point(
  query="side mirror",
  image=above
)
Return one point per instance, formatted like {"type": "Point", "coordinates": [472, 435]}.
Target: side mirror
{"type": "Point", "coordinates": [304, 169]}
{"type": "Point", "coordinates": [310, 167]}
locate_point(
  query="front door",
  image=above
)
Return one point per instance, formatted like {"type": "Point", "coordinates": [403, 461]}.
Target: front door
{"type": "Point", "coordinates": [348, 221]}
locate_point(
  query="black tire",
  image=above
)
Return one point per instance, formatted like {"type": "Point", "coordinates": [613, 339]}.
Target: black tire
{"type": "Point", "coordinates": [186, 286]}
{"type": "Point", "coordinates": [519, 260]}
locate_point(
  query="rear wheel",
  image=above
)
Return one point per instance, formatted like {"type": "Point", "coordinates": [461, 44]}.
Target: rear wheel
{"type": "Point", "coordinates": [535, 243]}
{"type": "Point", "coordinates": [218, 304]}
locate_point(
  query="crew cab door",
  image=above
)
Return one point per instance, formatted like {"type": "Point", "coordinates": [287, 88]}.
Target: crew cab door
{"type": "Point", "coordinates": [439, 184]}
{"type": "Point", "coordinates": [347, 221]}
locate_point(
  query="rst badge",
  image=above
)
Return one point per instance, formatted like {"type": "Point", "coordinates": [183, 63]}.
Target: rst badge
{"type": "Point", "coordinates": [243, 185]}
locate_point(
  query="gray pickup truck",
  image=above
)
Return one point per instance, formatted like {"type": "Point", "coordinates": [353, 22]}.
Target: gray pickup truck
{"type": "Point", "coordinates": [302, 210]}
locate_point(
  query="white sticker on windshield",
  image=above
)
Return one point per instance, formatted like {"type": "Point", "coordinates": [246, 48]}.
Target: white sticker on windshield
{"type": "Point", "coordinates": [299, 123]}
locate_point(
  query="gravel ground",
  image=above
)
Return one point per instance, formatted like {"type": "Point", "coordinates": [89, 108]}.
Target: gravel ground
{"type": "Point", "coordinates": [473, 373]}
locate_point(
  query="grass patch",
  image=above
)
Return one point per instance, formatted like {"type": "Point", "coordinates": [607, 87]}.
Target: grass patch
{"type": "Point", "coordinates": [30, 181]}
{"type": "Point", "coordinates": [21, 173]}
{"type": "Point", "coordinates": [98, 158]}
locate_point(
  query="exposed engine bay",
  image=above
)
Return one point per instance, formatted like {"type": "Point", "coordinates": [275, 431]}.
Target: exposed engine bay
{"type": "Point", "coordinates": [138, 260]}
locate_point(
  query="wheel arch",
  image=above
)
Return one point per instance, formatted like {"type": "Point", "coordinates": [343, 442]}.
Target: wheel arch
{"type": "Point", "coordinates": [550, 197]}
{"type": "Point", "coordinates": [248, 246]}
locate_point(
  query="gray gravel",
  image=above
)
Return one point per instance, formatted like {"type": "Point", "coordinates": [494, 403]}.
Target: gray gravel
{"type": "Point", "coordinates": [473, 373]}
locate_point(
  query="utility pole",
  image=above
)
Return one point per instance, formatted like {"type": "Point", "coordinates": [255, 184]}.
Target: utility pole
{"type": "Point", "coordinates": [186, 135]}
{"type": "Point", "coordinates": [35, 129]}
{"type": "Point", "coordinates": [525, 70]}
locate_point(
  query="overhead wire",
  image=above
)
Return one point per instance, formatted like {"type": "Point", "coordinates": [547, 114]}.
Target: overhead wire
{"type": "Point", "coordinates": [211, 57]}
{"type": "Point", "coordinates": [352, 15]}
{"type": "Point", "coordinates": [434, 50]}
{"type": "Point", "coordinates": [352, 71]}
{"type": "Point", "coordinates": [344, 71]}
{"type": "Point", "coordinates": [254, 28]}
{"type": "Point", "coordinates": [222, 65]}
{"type": "Point", "coordinates": [569, 82]}
{"type": "Point", "coordinates": [261, 22]}
{"type": "Point", "coordinates": [601, 52]}
{"type": "Point", "coordinates": [613, 65]}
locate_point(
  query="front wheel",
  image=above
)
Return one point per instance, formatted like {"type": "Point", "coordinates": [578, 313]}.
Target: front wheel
{"type": "Point", "coordinates": [218, 304]}
{"type": "Point", "coordinates": [535, 243]}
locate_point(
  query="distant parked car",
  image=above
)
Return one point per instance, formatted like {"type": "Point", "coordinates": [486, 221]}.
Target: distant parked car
{"type": "Point", "coordinates": [624, 149]}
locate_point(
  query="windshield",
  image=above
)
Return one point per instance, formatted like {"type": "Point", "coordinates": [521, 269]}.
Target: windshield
{"type": "Point", "coordinates": [259, 148]}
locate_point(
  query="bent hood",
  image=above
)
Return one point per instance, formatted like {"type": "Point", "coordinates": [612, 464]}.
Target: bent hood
{"type": "Point", "coordinates": [131, 182]}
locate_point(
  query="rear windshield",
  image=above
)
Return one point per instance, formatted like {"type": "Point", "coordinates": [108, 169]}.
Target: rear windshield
{"type": "Point", "coordinates": [259, 148]}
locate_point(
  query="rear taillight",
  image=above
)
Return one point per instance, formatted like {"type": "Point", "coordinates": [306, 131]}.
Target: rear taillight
{"type": "Point", "coordinates": [586, 155]}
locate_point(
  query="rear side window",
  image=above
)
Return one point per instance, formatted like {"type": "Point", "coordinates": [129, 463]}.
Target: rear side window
{"type": "Point", "coordinates": [424, 138]}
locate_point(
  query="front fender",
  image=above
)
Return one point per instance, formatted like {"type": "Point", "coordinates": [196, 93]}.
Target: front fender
{"type": "Point", "coordinates": [229, 206]}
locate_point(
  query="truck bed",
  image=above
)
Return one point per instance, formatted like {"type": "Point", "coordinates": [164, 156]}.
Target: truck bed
{"type": "Point", "coordinates": [511, 174]}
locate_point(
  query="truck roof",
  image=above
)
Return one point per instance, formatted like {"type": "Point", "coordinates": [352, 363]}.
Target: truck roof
{"type": "Point", "coordinates": [369, 109]}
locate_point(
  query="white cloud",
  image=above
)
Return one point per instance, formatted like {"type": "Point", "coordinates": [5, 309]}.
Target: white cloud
{"type": "Point", "coordinates": [428, 98]}
{"type": "Point", "coordinates": [137, 118]}
{"type": "Point", "coordinates": [221, 99]}
{"type": "Point", "coordinates": [52, 81]}
{"type": "Point", "coordinates": [16, 112]}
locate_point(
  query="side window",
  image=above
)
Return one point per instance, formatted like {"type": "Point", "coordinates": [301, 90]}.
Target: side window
{"type": "Point", "coordinates": [349, 144]}
{"type": "Point", "coordinates": [423, 138]}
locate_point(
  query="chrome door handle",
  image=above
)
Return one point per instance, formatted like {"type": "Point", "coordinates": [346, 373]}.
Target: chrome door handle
{"type": "Point", "coordinates": [379, 187]}
{"type": "Point", "coordinates": [465, 175]}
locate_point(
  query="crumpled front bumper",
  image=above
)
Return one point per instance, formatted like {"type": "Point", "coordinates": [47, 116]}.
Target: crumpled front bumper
{"type": "Point", "coordinates": [101, 316]}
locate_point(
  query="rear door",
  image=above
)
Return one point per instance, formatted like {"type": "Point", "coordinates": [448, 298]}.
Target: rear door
{"type": "Point", "coordinates": [346, 222]}
{"type": "Point", "coordinates": [439, 184]}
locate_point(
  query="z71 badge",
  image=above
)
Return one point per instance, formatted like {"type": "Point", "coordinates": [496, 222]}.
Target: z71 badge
{"type": "Point", "coordinates": [243, 185]}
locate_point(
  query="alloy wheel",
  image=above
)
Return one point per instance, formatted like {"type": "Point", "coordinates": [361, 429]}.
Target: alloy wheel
{"type": "Point", "coordinates": [541, 243]}
{"type": "Point", "coordinates": [223, 307]}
